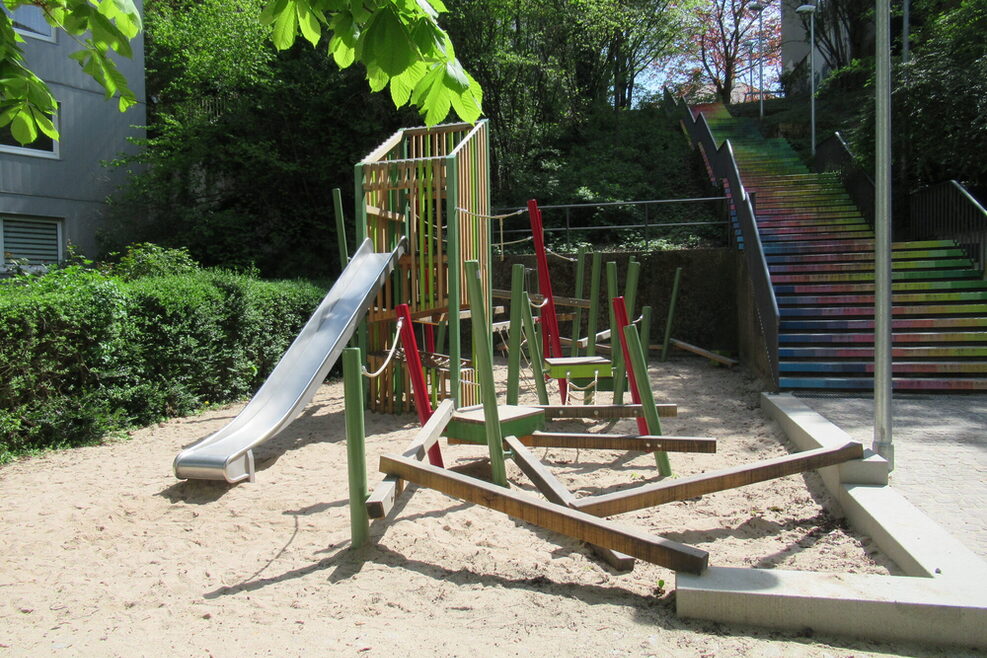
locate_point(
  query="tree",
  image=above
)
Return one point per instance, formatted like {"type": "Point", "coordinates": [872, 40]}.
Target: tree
{"type": "Point", "coordinates": [844, 29]}
{"type": "Point", "coordinates": [722, 42]}
{"type": "Point", "coordinates": [399, 42]}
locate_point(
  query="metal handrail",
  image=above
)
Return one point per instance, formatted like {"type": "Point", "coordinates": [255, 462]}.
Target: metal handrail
{"type": "Point", "coordinates": [948, 211]}
{"type": "Point", "coordinates": [724, 166]}
{"type": "Point", "coordinates": [833, 154]}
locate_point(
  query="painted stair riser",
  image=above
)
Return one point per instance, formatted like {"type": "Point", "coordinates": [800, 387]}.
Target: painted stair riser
{"type": "Point", "coordinates": [848, 246]}
{"type": "Point", "coordinates": [979, 323]}
{"type": "Point", "coordinates": [896, 311]}
{"type": "Point", "coordinates": [944, 263]}
{"type": "Point", "coordinates": [898, 338]}
{"type": "Point", "coordinates": [898, 384]}
{"type": "Point", "coordinates": [906, 353]}
{"type": "Point", "coordinates": [862, 257]}
{"type": "Point", "coordinates": [898, 367]}
{"type": "Point", "coordinates": [895, 276]}
{"type": "Point", "coordinates": [932, 298]}
{"type": "Point", "coordinates": [902, 286]}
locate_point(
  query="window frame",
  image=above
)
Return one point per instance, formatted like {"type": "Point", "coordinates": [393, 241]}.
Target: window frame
{"type": "Point", "coordinates": [59, 223]}
{"type": "Point", "coordinates": [53, 154]}
{"type": "Point", "coordinates": [52, 35]}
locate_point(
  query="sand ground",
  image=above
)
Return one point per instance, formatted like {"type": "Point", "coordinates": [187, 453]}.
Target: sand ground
{"type": "Point", "coordinates": [104, 552]}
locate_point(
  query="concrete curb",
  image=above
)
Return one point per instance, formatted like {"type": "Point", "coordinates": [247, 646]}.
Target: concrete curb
{"type": "Point", "coordinates": [943, 601]}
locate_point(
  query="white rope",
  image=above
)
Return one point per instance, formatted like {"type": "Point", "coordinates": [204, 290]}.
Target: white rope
{"type": "Point", "coordinates": [482, 216]}
{"type": "Point", "coordinates": [591, 385]}
{"type": "Point", "coordinates": [524, 239]}
{"type": "Point", "coordinates": [536, 306]}
{"type": "Point", "coordinates": [571, 260]}
{"type": "Point", "coordinates": [387, 361]}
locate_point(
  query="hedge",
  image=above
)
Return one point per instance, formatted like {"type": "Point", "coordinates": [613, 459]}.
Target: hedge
{"type": "Point", "coordinates": [84, 352]}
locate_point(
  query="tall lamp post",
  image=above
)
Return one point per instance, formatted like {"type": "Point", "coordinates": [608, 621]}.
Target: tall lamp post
{"type": "Point", "coordinates": [811, 11]}
{"type": "Point", "coordinates": [758, 9]}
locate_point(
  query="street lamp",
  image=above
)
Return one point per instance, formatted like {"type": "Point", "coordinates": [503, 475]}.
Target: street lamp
{"type": "Point", "coordinates": [811, 11]}
{"type": "Point", "coordinates": [758, 9]}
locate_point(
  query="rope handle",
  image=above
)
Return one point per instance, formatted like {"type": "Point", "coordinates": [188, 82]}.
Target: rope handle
{"type": "Point", "coordinates": [390, 355]}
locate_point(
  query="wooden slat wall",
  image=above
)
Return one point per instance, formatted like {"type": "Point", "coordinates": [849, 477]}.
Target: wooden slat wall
{"type": "Point", "coordinates": [407, 175]}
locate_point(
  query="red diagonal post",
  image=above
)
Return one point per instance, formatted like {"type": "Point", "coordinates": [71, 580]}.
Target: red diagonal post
{"type": "Point", "coordinates": [551, 342]}
{"type": "Point", "coordinates": [620, 316]}
{"type": "Point", "coordinates": [422, 403]}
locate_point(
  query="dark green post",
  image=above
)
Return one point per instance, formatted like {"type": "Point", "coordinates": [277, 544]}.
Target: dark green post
{"type": "Point", "coordinates": [534, 351]}
{"type": "Point", "coordinates": [577, 320]}
{"type": "Point", "coordinates": [337, 204]}
{"type": "Point", "coordinates": [514, 338]}
{"type": "Point", "coordinates": [671, 314]}
{"type": "Point", "coordinates": [594, 313]}
{"type": "Point", "coordinates": [484, 372]}
{"type": "Point", "coordinates": [646, 331]}
{"type": "Point", "coordinates": [356, 458]}
{"type": "Point", "coordinates": [615, 352]}
{"type": "Point", "coordinates": [640, 367]}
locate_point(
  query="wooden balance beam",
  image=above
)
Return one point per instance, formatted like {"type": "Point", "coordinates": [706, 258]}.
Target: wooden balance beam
{"type": "Point", "coordinates": [712, 356]}
{"type": "Point", "coordinates": [550, 487]}
{"type": "Point", "coordinates": [651, 495]}
{"type": "Point", "coordinates": [635, 442]}
{"type": "Point", "coordinates": [599, 411]}
{"type": "Point", "coordinates": [569, 522]}
{"type": "Point", "coordinates": [381, 501]}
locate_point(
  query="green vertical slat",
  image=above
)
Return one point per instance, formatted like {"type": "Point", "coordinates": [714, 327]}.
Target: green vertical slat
{"type": "Point", "coordinates": [356, 459]}
{"type": "Point", "coordinates": [514, 338]}
{"type": "Point", "coordinates": [337, 204]}
{"type": "Point", "coordinates": [484, 374]}
{"type": "Point", "coordinates": [671, 314]}
{"type": "Point", "coordinates": [640, 367]}
{"type": "Point", "coordinates": [594, 313]}
{"type": "Point", "coordinates": [615, 352]}
{"type": "Point", "coordinates": [577, 320]}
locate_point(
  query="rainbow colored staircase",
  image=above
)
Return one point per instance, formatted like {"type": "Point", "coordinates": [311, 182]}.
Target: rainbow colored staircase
{"type": "Point", "coordinates": [820, 256]}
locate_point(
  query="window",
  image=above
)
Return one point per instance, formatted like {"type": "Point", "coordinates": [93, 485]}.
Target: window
{"type": "Point", "coordinates": [37, 241]}
{"type": "Point", "coordinates": [42, 147]}
{"type": "Point", "coordinates": [29, 20]}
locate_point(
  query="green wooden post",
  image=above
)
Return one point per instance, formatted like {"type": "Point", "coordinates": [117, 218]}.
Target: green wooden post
{"type": "Point", "coordinates": [514, 338]}
{"type": "Point", "coordinates": [360, 230]}
{"type": "Point", "coordinates": [534, 351]}
{"type": "Point", "coordinates": [646, 331]}
{"type": "Point", "coordinates": [640, 367]}
{"type": "Point", "coordinates": [578, 315]}
{"type": "Point", "coordinates": [454, 277]}
{"type": "Point", "coordinates": [483, 372]}
{"type": "Point", "coordinates": [630, 287]}
{"type": "Point", "coordinates": [594, 314]}
{"type": "Point", "coordinates": [337, 204]}
{"type": "Point", "coordinates": [356, 457]}
{"type": "Point", "coordinates": [615, 353]}
{"type": "Point", "coordinates": [671, 313]}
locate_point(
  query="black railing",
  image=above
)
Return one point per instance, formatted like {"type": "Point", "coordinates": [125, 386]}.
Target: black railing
{"type": "Point", "coordinates": [724, 166]}
{"type": "Point", "coordinates": [834, 155]}
{"type": "Point", "coordinates": [947, 211]}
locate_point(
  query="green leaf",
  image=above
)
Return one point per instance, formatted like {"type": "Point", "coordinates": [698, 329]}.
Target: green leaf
{"type": "Point", "coordinates": [402, 85]}
{"type": "Point", "coordinates": [286, 27]}
{"type": "Point", "coordinates": [378, 78]}
{"type": "Point", "coordinates": [456, 76]}
{"type": "Point", "coordinates": [23, 128]}
{"type": "Point", "coordinates": [308, 22]}
{"type": "Point", "coordinates": [387, 43]}
{"type": "Point", "coordinates": [44, 124]}
{"type": "Point", "coordinates": [343, 54]}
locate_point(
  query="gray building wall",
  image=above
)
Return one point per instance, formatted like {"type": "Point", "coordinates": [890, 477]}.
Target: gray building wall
{"type": "Point", "coordinates": [73, 185]}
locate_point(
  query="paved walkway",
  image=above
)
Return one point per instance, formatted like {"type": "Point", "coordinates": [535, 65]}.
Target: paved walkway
{"type": "Point", "coordinates": [940, 454]}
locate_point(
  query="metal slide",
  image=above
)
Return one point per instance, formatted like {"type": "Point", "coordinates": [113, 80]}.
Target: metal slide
{"type": "Point", "coordinates": [228, 454]}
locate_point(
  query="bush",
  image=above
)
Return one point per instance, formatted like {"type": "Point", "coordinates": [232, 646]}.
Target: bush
{"type": "Point", "coordinates": [84, 352]}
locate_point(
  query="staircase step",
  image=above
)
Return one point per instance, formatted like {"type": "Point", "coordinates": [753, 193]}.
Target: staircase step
{"type": "Point", "coordinates": [850, 246]}
{"type": "Point", "coordinates": [897, 338]}
{"type": "Point", "coordinates": [868, 287]}
{"type": "Point", "coordinates": [897, 352]}
{"type": "Point", "coordinates": [898, 383]}
{"type": "Point", "coordinates": [930, 298]}
{"type": "Point", "coordinates": [896, 311]}
{"type": "Point", "coordinates": [778, 259]}
{"type": "Point", "coordinates": [897, 367]}
{"type": "Point", "coordinates": [896, 323]}
{"type": "Point", "coordinates": [867, 276]}
{"type": "Point", "coordinates": [869, 266]}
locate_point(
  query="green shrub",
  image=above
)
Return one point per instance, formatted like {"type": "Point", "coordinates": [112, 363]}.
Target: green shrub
{"type": "Point", "coordinates": [84, 352]}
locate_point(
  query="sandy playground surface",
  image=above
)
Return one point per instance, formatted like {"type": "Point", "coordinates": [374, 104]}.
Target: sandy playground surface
{"type": "Point", "coordinates": [104, 552]}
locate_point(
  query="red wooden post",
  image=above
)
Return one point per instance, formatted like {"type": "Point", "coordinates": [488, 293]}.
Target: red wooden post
{"type": "Point", "coordinates": [551, 341]}
{"type": "Point", "coordinates": [620, 316]}
{"type": "Point", "coordinates": [422, 403]}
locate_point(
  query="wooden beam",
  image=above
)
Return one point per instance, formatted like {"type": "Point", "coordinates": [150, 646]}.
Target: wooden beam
{"type": "Point", "coordinates": [553, 411]}
{"type": "Point", "coordinates": [569, 522]}
{"type": "Point", "coordinates": [538, 299]}
{"type": "Point", "coordinates": [546, 482]}
{"type": "Point", "coordinates": [643, 443]}
{"type": "Point", "coordinates": [381, 501]}
{"type": "Point", "coordinates": [650, 495]}
{"type": "Point", "coordinates": [385, 214]}
{"type": "Point", "coordinates": [713, 356]}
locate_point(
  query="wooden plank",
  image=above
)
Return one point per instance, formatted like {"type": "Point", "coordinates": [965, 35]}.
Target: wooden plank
{"type": "Point", "coordinates": [536, 298]}
{"type": "Point", "coordinates": [389, 215]}
{"type": "Point", "coordinates": [603, 410]}
{"type": "Point", "coordinates": [650, 495]}
{"type": "Point", "coordinates": [713, 356]}
{"type": "Point", "coordinates": [546, 482]}
{"type": "Point", "coordinates": [569, 522]}
{"type": "Point", "coordinates": [381, 501]}
{"type": "Point", "coordinates": [640, 442]}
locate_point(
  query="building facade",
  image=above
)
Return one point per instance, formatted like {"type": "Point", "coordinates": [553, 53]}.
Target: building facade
{"type": "Point", "coordinates": [52, 194]}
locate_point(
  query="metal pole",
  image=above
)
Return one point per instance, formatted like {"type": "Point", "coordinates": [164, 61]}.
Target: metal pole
{"type": "Point", "coordinates": [882, 238]}
{"type": "Point", "coordinates": [760, 59]}
{"type": "Point", "coordinates": [905, 20]}
{"type": "Point", "coordinates": [812, 81]}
